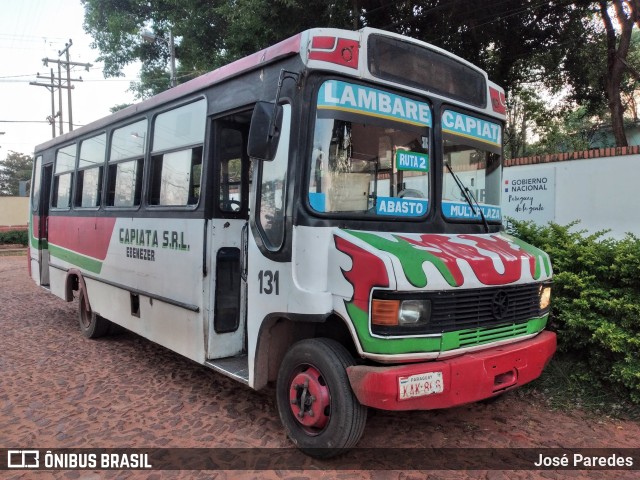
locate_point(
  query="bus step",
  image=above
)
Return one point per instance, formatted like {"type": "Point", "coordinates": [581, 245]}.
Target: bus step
{"type": "Point", "coordinates": [233, 367]}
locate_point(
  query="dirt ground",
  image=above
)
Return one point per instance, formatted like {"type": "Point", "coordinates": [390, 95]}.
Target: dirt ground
{"type": "Point", "coordinates": [60, 390]}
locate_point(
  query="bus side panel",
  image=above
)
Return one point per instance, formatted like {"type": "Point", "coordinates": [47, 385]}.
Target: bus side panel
{"type": "Point", "coordinates": [171, 326]}
{"type": "Point", "coordinates": [284, 290]}
{"type": "Point", "coordinates": [145, 274]}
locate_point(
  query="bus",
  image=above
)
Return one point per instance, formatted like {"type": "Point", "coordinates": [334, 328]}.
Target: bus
{"type": "Point", "coordinates": [323, 216]}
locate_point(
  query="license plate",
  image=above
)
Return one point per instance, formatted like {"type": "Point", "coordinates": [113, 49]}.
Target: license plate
{"type": "Point", "coordinates": [420, 385]}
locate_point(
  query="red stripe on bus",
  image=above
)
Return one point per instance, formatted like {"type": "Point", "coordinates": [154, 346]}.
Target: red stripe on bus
{"type": "Point", "coordinates": [85, 235]}
{"type": "Point", "coordinates": [37, 226]}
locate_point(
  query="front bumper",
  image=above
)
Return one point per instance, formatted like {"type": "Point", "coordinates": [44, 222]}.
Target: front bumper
{"type": "Point", "coordinates": [468, 378]}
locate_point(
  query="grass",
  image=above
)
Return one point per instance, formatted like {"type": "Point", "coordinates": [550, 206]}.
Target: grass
{"type": "Point", "coordinates": [567, 383]}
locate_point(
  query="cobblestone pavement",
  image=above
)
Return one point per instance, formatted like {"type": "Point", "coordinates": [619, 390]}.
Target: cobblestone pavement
{"type": "Point", "coordinates": [60, 390]}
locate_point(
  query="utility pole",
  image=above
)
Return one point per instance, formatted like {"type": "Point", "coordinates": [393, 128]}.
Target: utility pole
{"type": "Point", "coordinates": [59, 85]}
{"type": "Point", "coordinates": [60, 96]}
{"type": "Point", "coordinates": [66, 51]}
{"type": "Point", "coordinates": [52, 88]}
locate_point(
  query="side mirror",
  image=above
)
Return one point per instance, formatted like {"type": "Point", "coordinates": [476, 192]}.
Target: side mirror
{"type": "Point", "coordinates": [264, 132]}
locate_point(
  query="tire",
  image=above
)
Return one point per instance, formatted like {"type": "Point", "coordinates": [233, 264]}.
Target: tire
{"type": "Point", "coordinates": [314, 372]}
{"type": "Point", "coordinates": [91, 324]}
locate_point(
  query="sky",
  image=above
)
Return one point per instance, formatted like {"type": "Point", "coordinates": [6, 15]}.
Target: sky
{"type": "Point", "coordinates": [31, 30]}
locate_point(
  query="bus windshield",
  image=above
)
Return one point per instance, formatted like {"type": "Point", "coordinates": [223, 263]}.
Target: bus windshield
{"type": "Point", "coordinates": [365, 162]}
{"type": "Point", "coordinates": [471, 149]}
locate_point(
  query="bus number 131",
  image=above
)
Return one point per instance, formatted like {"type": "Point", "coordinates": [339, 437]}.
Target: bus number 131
{"type": "Point", "coordinates": [269, 282]}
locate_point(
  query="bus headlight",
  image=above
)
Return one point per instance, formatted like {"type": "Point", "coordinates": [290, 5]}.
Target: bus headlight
{"type": "Point", "coordinates": [545, 296]}
{"type": "Point", "coordinates": [414, 312]}
{"type": "Point", "coordinates": [400, 313]}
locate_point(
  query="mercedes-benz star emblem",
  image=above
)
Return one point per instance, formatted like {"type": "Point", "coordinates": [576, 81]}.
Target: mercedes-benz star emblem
{"type": "Point", "coordinates": [500, 305]}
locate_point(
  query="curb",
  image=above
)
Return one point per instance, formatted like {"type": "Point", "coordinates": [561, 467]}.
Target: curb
{"type": "Point", "coordinates": [8, 252]}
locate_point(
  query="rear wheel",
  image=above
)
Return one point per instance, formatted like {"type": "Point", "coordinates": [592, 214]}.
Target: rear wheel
{"type": "Point", "coordinates": [91, 324]}
{"type": "Point", "coordinates": [319, 411]}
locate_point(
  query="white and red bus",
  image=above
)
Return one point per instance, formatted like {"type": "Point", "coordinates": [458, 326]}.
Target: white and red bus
{"type": "Point", "coordinates": [323, 214]}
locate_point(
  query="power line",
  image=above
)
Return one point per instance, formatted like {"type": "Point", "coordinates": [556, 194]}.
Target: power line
{"type": "Point", "coordinates": [52, 86]}
{"type": "Point", "coordinates": [19, 76]}
{"type": "Point", "coordinates": [35, 121]}
{"type": "Point", "coordinates": [24, 121]}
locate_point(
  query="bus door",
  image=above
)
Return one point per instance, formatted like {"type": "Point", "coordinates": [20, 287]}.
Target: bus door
{"type": "Point", "coordinates": [227, 323]}
{"type": "Point", "coordinates": [39, 247]}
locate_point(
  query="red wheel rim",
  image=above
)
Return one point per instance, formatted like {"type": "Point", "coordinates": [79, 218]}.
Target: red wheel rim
{"type": "Point", "coordinates": [85, 316]}
{"type": "Point", "coordinates": [310, 399]}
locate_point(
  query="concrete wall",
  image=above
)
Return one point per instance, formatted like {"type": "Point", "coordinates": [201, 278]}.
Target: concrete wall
{"type": "Point", "coordinates": [14, 212]}
{"type": "Point", "coordinates": [600, 187]}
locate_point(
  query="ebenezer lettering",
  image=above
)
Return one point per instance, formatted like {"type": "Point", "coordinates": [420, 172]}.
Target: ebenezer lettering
{"type": "Point", "coordinates": [141, 254]}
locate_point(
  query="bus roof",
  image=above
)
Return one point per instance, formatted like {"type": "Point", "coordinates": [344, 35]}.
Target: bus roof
{"type": "Point", "coordinates": [319, 48]}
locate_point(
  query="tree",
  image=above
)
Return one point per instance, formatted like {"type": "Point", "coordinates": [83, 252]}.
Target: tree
{"type": "Point", "coordinates": [119, 106]}
{"type": "Point", "coordinates": [209, 33]}
{"type": "Point", "coordinates": [511, 39]}
{"type": "Point", "coordinates": [527, 113]}
{"type": "Point", "coordinates": [14, 169]}
{"type": "Point", "coordinates": [602, 69]}
{"type": "Point", "coordinates": [571, 131]}
{"type": "Point", "coordinates": [518, 42]}
{"type": "Point", "coordinates": [617, 52]}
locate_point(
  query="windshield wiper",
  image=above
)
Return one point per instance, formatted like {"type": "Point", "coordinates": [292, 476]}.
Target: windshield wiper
{"type": "Point", "coordinates": [374, 195]}
{"type": "Point", "coordinates": [468, 196]}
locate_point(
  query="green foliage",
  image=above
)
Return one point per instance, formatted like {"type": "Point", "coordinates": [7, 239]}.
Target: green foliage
{"type": "Point", "coordinates": [119, 107]}
{"type": "Point", "coordinates": [570, 131]}
{"type": "Point", "coordinates": [522, 44]}
{"type": "Point", "coordinates": [568, 382]}
{"type": "Point", "coordinates": [596, 299]}
{"type": "Point", "coordinates": [527, 113]}
{"type": "Point", "coordinates": [14, 169]}
{"type": "Point", "coordinates": [208, 34]}
{"type": "Point", "coordinates": [214, 32]}
{"type": "Point", "coordinates": [14, 237]}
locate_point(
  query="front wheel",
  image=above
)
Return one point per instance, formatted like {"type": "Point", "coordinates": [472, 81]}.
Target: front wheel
{"type": "Point", "coordinates": [91, 324]}
{"type": "Point", "coordinates": [319, 411]}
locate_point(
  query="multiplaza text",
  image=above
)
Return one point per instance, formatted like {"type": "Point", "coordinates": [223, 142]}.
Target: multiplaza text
{"type": "Point", "coordinates": [578, 460]}
{"type": "Point", "coordinates": [95, 460]}
{"type": "Point", "coordinates": [141, 238]}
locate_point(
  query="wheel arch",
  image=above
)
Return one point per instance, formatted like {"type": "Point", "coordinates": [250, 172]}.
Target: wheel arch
{"type": "Point", "coordinates": [75, 282]}
{"type": "Point", "coordinates": [279, 331]}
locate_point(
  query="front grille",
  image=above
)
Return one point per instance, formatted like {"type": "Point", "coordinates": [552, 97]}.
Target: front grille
{"type": "Point", "coordinates": [480, 336]}
{"type": "Point", "coordinates": [473, 309]}
{"type": "Point", "coordinates": [467, 309]}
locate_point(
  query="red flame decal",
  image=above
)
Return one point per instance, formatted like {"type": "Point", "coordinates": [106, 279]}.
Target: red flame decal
{"type": "Point", "coordinates": [482, 265]}
{"type": "Point", "coordinates": [367, 271]}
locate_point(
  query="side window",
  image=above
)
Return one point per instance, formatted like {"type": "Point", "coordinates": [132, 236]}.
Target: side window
{"type": "Point", "coordinates": [89, 178]}
{"type": "Point", "coordinates": [231, 169]}
{"type": "Point", "coordinates": [272, 194]}
{"type": "Point", "coordinates": [124, 177]}
{"type": "Point", "coordinates": [176, 156]}
{"type": "Point", "coordinates": [35, 187]}
{"type": "Point", "coordinates": [63, 176]}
